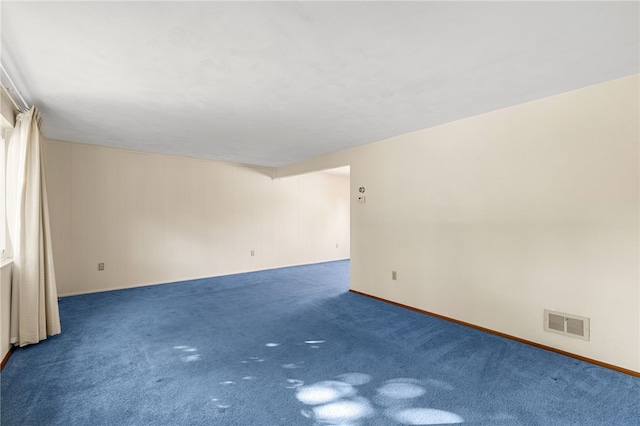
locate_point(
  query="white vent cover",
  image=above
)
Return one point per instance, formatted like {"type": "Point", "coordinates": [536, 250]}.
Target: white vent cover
{"type": "Point", "coordinates": [566, 324]}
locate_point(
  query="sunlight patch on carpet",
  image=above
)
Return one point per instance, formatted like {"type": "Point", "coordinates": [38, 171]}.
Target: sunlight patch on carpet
{"type": "Point", "coordinates": [355, 379]}
{"type": "Point", "coordinates": [338, 402]}
{"type": "Point", "coordinates": [189, 353]}
{"type": "Point", "coordinates": [343, 412]}
{"type": "Point", "coordinates": [397, 389]}
{"type": "Point", "coordinates": [293, 365]}
{"type": "Point", "coordinates": [294, 383]}
{"type": "Point", "coordinates": [424, 416]}
{"type": "Point", "coordinates": [323, 392]}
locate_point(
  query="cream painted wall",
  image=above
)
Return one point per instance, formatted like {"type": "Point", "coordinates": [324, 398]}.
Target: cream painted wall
{"type": "Point", "coordinates": [494, 218]}
{"type": "Point", "coordinates": [7, 110]}
{"type": "Point", "coordinates": [155, 218]}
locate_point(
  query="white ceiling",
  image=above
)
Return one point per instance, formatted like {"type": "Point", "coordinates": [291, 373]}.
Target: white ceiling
{"type": "Point", "coordinates": [272, 83]}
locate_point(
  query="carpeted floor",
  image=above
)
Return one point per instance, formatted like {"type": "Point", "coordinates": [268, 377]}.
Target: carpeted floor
{"type": "Point", "coordinates": [292, 347]}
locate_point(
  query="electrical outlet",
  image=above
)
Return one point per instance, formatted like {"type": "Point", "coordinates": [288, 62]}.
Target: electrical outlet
{"type": "Point", "coordinates": [100, 266]}
{"type": "Point", "coordinates": [337, 245]}
{"type": "Point", "coordinates": [253, 253]}
{"type": "Point", "coordinates": [394, 275]}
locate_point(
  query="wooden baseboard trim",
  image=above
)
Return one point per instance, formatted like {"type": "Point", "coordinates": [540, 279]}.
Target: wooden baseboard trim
{"type": "Point", "coordinates": [507, 336]}
{"type": "Point", "coordinates": [6, 357]}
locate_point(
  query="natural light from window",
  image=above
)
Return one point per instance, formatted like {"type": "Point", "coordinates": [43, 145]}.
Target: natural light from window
{"type": "Point", "coordinates": [3, 211]}
{"type": "Point", "coordinates": [5, 136]}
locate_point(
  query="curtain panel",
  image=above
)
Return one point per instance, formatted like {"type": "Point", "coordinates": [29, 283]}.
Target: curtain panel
{"type": "Point", "coordinates": [34, 298]}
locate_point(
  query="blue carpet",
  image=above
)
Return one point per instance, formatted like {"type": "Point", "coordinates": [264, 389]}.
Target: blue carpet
{"type": "Point", "coordinates": [292, 347]}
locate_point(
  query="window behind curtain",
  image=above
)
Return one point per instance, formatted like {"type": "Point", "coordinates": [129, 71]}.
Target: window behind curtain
{"type": "Point", "coordinates": [5, 133]}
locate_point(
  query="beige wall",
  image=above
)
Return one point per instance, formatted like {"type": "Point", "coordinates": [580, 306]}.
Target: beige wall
{"type": "Point", "coordinates": [155, 218]}
{"type": "Point", "coordinates": [494, 218]}
{"type": "Point", "coordinates": [7, 110]}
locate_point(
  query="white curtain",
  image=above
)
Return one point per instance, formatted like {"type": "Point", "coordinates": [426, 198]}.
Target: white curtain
{"type": "Point", "coordinates": [34, 298]}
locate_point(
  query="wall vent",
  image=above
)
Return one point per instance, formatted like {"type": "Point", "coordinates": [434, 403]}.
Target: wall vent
{"type": "Point", "coordinates": [566, 324]}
